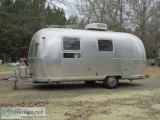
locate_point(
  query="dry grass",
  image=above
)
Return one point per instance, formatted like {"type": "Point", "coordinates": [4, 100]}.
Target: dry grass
{"type": "Point", "coordinates": [139, 100]}
{"type": "Point", "coordinates": [153, 72]}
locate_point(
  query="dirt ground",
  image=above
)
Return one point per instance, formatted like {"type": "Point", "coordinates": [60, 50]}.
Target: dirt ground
{"type": "Point", "coordinates": [76, 101]}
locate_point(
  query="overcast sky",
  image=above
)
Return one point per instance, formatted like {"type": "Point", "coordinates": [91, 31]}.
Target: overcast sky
{"type": "Point", "coordinates": [68, 11]}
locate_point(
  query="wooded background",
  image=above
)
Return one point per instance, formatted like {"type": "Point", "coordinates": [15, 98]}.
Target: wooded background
{"type": "Point", "coordinates": [20, 19]}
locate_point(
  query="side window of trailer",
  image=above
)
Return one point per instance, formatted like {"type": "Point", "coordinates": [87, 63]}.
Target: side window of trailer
{"type": "Point", "coordinates": [105, 45]}
{"type": "Point", "coordinates": [71, 43]}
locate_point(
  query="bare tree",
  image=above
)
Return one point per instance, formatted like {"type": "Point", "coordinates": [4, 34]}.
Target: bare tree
{"type": "Point", "coordinates": [140, 14]}
{"type": "Point", "coordinates": [42, 13]}
{"type": "Point", "coordinates": [104, 11]}
{"type": "Point", "coordinates": [157, 31]}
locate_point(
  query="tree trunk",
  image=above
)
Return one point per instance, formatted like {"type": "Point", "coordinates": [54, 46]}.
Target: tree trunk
{"type": "Point", "coordinates": [157, 57]}
{"type": "Point", "coordinates": [42, 13]}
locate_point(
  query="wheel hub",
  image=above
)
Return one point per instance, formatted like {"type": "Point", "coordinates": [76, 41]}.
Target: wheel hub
{"type": "Point", "coordinates": [112, 81]}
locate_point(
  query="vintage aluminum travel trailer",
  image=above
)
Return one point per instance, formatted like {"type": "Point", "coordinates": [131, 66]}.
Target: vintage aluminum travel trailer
{"type": "Point", "coordinates": [94, 54]}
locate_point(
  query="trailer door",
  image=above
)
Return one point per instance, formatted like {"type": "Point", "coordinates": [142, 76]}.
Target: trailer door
{"type": "Point", "coordinates": [71, 62]}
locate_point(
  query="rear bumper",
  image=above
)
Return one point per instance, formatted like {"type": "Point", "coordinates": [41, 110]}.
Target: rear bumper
{"type": "Point", "coordinates": [136, 77]}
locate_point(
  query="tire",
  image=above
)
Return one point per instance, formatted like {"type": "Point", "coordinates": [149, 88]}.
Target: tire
{"type": "Point", "coordinates": [89, 82]}
{"type": "Point", "coordinates": [111, 82]}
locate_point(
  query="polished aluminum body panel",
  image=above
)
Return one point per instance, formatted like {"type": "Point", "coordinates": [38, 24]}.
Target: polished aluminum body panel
{"type": "Point", "coordinates": [127, 59]}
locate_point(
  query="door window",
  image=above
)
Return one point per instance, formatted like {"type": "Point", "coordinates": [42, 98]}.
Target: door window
{"type": "Point", "coordinates": [71, 43]}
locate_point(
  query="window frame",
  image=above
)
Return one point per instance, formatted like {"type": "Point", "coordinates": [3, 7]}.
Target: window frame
{"type": "Point", "coordinates": [33, 45]}
{"type": "Point", "coordinates": [33, 53]}
{"type": "Point", "coordinates": [36, 50]}
{"type": "Point", "coordinates": [105, 50]}
{"type": "Point", "coordinates": [72, 49]}
{"type": "Point", "coordinates": [73, 55]}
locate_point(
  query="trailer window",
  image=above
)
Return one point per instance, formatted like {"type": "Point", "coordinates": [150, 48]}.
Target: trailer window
{"type": "Point", "coordinates": [71, 43]}
{"type": "Point", "coordinates": [31, 50]}
{"type": "Point", "coordinates": [71, 55]}
{"type": "Point", "coordinates": [105, 45]}
{"type": "Point", "coordinates": [36, 49]}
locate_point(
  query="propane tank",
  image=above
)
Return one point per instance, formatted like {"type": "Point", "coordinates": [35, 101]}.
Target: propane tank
{"type": "Point", "coordinates": [22, 71]}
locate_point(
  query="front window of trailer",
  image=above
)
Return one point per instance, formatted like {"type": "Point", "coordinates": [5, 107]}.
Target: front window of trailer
{"type": "Point", "coordinates": [36, 49]}
{"type": "Point", "coordinates": [33, 50]}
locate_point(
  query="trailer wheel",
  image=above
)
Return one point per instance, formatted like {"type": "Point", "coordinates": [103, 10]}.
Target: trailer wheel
{"type": "Point", "coordinates": [111, 82]}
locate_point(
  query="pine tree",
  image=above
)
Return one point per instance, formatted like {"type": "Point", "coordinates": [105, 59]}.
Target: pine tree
{"type": "Point", "coordinates": [19, 20]}
{"type": "Point", "coordinates": [55, 16]}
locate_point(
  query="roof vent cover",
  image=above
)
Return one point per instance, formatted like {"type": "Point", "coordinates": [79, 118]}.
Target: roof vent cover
{"type": "Point", "coordinates": [96, 26]}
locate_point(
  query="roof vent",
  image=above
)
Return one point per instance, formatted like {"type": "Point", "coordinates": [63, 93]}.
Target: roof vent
{"type": "Point", "coordinates": [96, 26]}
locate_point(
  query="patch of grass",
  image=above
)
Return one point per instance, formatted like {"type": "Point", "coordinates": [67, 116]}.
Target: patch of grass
{"type": "Point", "coordinates": [7, 68]}
{"type": "Point", "coordinates": [153, 72]}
